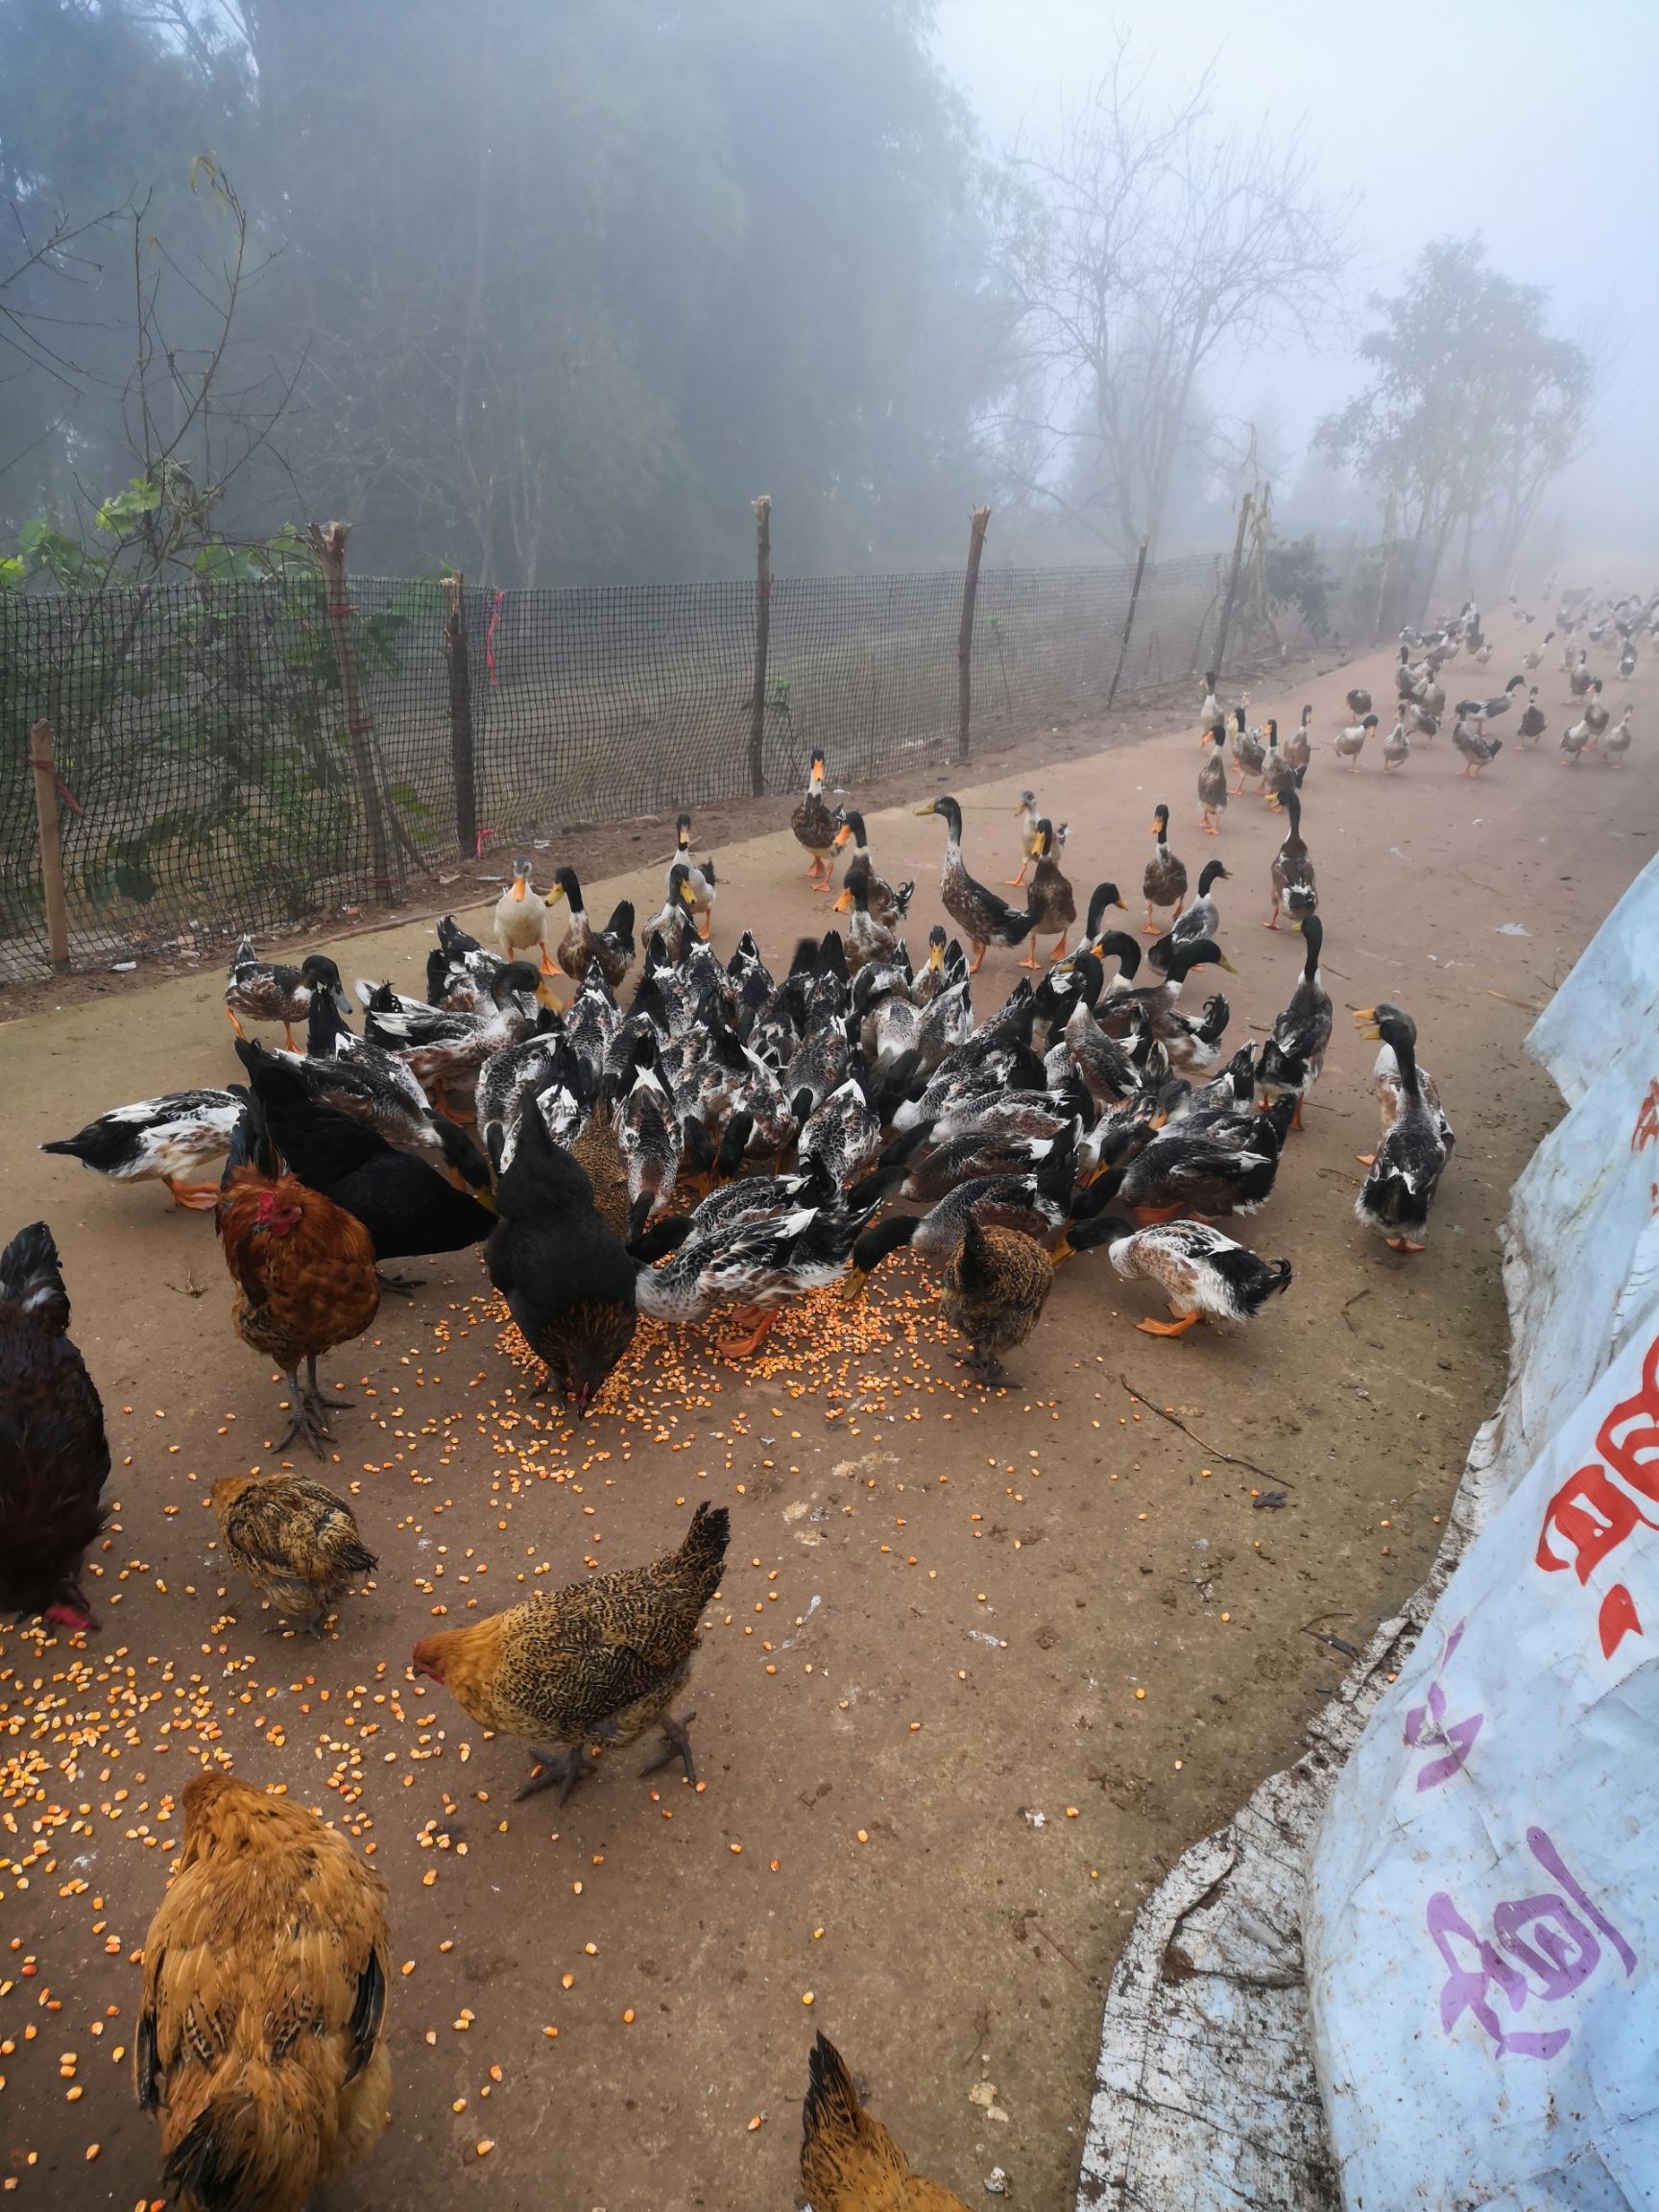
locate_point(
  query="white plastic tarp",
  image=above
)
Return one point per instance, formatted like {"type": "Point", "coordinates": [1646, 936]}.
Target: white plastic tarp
{"type": "Point", "coordinates": [1482, 1923]}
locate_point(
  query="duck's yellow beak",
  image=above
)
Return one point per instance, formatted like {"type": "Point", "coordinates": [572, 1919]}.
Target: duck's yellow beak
{"type": "Point", "coordinates": [556, 895]}
{"type": "Point", "coordinates": [1224, 962]}
{"type": "Point", "coordinates": [520, 885]}
{"type": "Point", "coordinates": [928, 810]}
{"type": "Point", "coordinates": [842, 904]}
{"type": "Point", "coordinates": [935, 959]}
{"type": "Point", "coordinates": [856, 1285]}
{"type": "Point", "coordinates": [841, 836]}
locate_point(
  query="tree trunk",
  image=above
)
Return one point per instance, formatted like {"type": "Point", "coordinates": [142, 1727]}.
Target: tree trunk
{"type": "Point", "coordinates": [329, 544]}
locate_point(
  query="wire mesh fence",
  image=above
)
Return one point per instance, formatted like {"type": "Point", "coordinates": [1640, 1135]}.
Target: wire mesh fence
{"type": "Point", "coordinates": [214, 773]}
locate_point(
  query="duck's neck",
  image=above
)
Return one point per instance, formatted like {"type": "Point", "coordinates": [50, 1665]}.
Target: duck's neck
{"type": "Point", "coordinates": [1406, 1060]}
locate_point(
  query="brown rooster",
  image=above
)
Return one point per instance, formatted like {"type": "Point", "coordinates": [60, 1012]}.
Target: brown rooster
{"type": "Point", "coordinates": [599, 1661]}
{"type": "Point", "coordinates": [849, 2162]}
{"type": "Point", "coordinates": [259, 2038]}
{"type": "Point", "coordinates": [303, 1269]}
{"type": "Point", "coordinates": [54, 1454]}
{"type": "Point", "coordinates": [296, 1542]}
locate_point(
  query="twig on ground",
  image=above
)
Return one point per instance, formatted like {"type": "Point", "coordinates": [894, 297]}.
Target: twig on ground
{"type": "Point", "coordinates": [1232, 1458]}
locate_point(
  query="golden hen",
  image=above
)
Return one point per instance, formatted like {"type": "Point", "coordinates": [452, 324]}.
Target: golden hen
{"type": "Point", "coordinates": [849, 2162]}
{"type": "Point", "coordinates": [260, 2038]}
{"type": "Point", "coordinates": [303, 1269]}
{"type": "Point", "coordinates": [296, 1542]}
{"type": "Point", "coordinates": [599, 1661]}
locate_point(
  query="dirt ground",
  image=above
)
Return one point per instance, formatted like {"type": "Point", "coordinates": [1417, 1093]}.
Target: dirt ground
{"type": "Point", "coordinates": [981, 1667]}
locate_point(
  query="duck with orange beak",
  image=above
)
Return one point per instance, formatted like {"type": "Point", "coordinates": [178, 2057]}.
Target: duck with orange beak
{"type": "Point", "coordinates": [1051, 902]}
{"type": "Point", "coordinates": [814, 826]}
{"type": "Point", "coordinates": [521, 920]}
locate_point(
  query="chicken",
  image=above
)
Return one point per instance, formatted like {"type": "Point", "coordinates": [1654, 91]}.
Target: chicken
{"type": "Point", "coordinates": [54, 1454]}
{"type": "Point", "coordinates": [260, 2035]}
{"type": "Point", "coordinates": [302, 1266]}
{"type": "Point", "coordinates": [296, 1542]}
{"type": "Point", "coordinates": [996, 1288]}
{"type": "Point", "coordinates": [849, 2162]}
{"type": "Point", "coordinates": [598, 1661]}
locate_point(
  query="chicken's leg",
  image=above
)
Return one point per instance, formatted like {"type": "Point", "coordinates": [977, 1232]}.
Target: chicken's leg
{"type": "Point", "coordinates": [676, 1745]}
{"type": "Point", "coordinates": [567, 1769]}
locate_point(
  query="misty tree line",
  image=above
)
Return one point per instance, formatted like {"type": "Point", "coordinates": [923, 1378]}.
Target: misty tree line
{"type": "Point", "coordinates": [547, 291]}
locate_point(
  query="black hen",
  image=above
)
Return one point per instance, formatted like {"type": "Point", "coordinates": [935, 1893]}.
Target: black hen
{"type": "Point", "coordinates": [405, 1206]}
{"type": "Point", "coordinates": [54, 1454]}
{"type": "Point", "coordinates": [567, 1281]}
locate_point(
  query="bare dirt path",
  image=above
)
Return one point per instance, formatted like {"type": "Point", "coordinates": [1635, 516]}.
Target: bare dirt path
{"type": "Point", "coordinates": [981, 1667]}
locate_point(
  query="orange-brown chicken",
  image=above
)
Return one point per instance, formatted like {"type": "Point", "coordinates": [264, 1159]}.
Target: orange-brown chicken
{"type": "Point", "coordinates": [598, 1662]}
{"type": "Point", "coordinates": [303, 1270]}
{"type": "Point", "coordinates": [849, 2162]}
{"type": "Point", "coordinates": [296, 1542]}
{"type": "Point", "coordinates": [261, 2037]}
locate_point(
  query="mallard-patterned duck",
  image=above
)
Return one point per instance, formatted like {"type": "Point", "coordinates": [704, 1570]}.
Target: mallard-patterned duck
{"type": "Point", "coordinates": [1531, 724]}
{"type": "Point", "coordinates": [1249, 750]}
{"type": "Point", "coordinates": [1293, 1057]}
{"type": "Point", "coordinates": [1210, 707]}
{"type": "Point", "coordinates": [1616, 745]}
{"type": "Point", "coordinates": [699, 874]}
{"type": "Point", "coordinates": [613, 946]}
{"type": "Point", "coordinates": [1295, 893]}
{"type": "Point", "coordinates": [868, 940]}
{"type": "Point", "coordinates": [1478, 750]}
{"type": "Point", "coordinates": [1358, 702]}
{"type": "Point", "coordinates": [1279, 773]}
{"type": "Point", "coordinates": [1205, 1275]}
{"type": "Point", "coordinates": [994, 1290]}
{"type": "Point", "coordinates": [1404, 1171]}
{"type": "Point", "coordinates": [1165, 882]}
{"type": "Point", "coordinates": [1481, 711]}
{"type": "Point", "coordinates": [1349, 743]}
{"type": "Point", "coordinates": [982, 917]}
{"type": "Point", "coordinates": [814, 827]}
{"type": "Point", "coordinates": [167, 1140]}
{"type": "Point", "coordinates": [446, 1051]}
{"type": "Point", "coordinates": [1396, 746]}
{"type": "Point", "coordinates": [677, 914]}
{"type": "Point", "coordinates": [265, 991]}
{"type": "Point", "coordinates": [1595, 713]}
{"type": "Point", "coordinates": [1051, 902]}
{"type": "Point", "coordinates": [1192, 1169]}
{"type": "Point", "coordinates": [888, 905]}
{"type": "Point", "coordinates": [1199, 918]}
{"type": "Point", "coordinates": [1213, 783]}
{"type": "Point", "coordinates": [1573, 740]}
{"type": "Point", "coordinates": [1299, 745]}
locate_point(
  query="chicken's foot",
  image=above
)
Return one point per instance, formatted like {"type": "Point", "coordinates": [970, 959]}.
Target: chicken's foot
{"type": "Point", "coordinates": [568, 1768]}
{"type": "Point", "coordinates": [405, 1285]}
{"type": "Point", "coordinates": [676, 1745]}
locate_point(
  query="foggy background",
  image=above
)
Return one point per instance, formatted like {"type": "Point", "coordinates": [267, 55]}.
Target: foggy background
{"type": "Point", "coordinates": [550, 293]}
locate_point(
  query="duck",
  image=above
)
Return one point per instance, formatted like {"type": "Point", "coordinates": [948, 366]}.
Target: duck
{"type": "Point", "coordinates": [1404, 1173]}
{"type": "Point", "coordinates": [1213, 786]}
{"type": "Point", "coordinates": [1358, 702]}
{"type": "Point", "coordinates": [1191, 1168]}
{"type": "Point", "coordinates": [1165, 881]}
{"type": "Point", "coordinates": [1028, 817]}
{"type": "Point", "coordinates": [814, 826]}
{"type": "Point", "coordinates": [1205, 1275]}
{"type": "Point", "coordinates": [1199, 918]}
{"type": "Point", "coordinates": [369, 1084]}
{"type": "Point", "coordinates": [1051, 902]}
{"type": "Point", "coordinates": [1396, 747]}
{"type": "Point", "coordinates": [699, 874]}
{"type": "Point", "coordinates": [1616, 745]}
{"type": "Point", "coordinates": [677, 914]}
{"type": "Point", "coordinates": [1573, 740]}
{"type": "Point", "coordinates": [458, 969]}
{"type": "Point", "coordinates": [1531, 724]}
{"type": "Point", "coordinates": [1249, 751]}
{"type": "Point", "coordinates": [1350, 743]}
{"type": "Point", "coordinates": [1533, 656]}
{"type": "Point", "coordinates": [868, 940]}
{"type": "Point", "coordinates": [888, 905]}
{"type": "Point", "coordinates": [1293, 1057]}
{"type": "Point", "coordinates": [1579, 680]}
{"type": "Point", "coordinates": [1280, 774]}
{"type": "Point", "coordinates": [1404, 675]}
{"type": "Point", "coordinates": [1158, 1004]}
{"type": "Point", "coordinates": [1478, 752]}
{"type": "Point", "coordinates": [1627, 657]}
{"type": "Point", "coordinates": [1103, 897]}
{"type": "Point", "coordinates": [170, 1139]}
{"type": "Point", "coordinates": [1295, 893]}
{"type": "Point", "coordinates": [647, 1130]}
{"type": "Point", "coordinates": [1595, 713]}
{"type": "Point", "coordinates": [1481, 711]}
{"type": "Point", "coordinates": [266, 991]}
{"type": "Point", "coordinates": [1036, 1203]}
{"type": "Point", "coordinates": [521, 919]}
{"type": "Point", "coordinates": [1299, 745]}
{"type": "Point", "coordinates": [444, 1050]}
{"type": "Point", "coordinates": [1424, 722]}
{"type": "Point", "coordinates": [1210, 709]}
{"type": "Point", "coordinates": [613, 946]}
{"type": "Point", "coordinates": [983, 918]}
{"type": "Point", "coordinates": [995, 1289]}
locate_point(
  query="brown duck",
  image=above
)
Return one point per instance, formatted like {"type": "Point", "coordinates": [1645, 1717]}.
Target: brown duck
{"type": "Point", "coordinates": [814, 827]}
{"type": "Point", "coordinates": [1165, 882]}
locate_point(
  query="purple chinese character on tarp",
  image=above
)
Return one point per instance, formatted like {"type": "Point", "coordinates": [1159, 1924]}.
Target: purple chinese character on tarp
{"type": "Point", "coordinates": [1549, 1938]}
{"type": "Point", "coordinates": [1426, 1726]}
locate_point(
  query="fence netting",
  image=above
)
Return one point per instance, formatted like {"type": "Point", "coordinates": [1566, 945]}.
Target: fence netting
{"type": "Point", "coordinates": [210, 783]}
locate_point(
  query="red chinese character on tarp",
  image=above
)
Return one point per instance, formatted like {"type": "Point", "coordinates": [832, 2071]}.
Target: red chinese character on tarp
{"type": "Point", "coordinates": [1557, 1938]}
{"type": "Point", "coordinates": [1593, 1516]}
{"type": "Point", "coordinates": [1426, 1726]}
{"type": "Point", "coordinates": [1647, 1129]}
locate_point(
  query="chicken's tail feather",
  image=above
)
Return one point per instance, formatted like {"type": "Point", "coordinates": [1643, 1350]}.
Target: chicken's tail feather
{"type": "Point", "coordinates": [235, 2150]}
{"type": "Point", "coordinates": [706, 1538]}
{"type": "Point", "coordinates": [30, 1278]}
{"type": "Point", "coordinates": [831, 2111]}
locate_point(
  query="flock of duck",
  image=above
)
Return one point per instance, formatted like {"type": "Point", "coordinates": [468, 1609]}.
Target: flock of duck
{"type": "Point", "coordinates": [726, 1137]}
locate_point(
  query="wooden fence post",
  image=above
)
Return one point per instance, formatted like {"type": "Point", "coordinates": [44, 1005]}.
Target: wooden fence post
{"type": "Point", "coordinates": [763, 642]}
{"type": "Point", "coordinates": [461, 715]}
{"type": "Point", "coordinates": [50, 846]}
{"type": "Point", "coordinates": [329, 544]}
{"type": "Point", "coordinates": [1244, 506]}
{"type": "Point", "coordinates": [977, 526]}
{"type": "Point", "coordinates": [1128, 622]}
